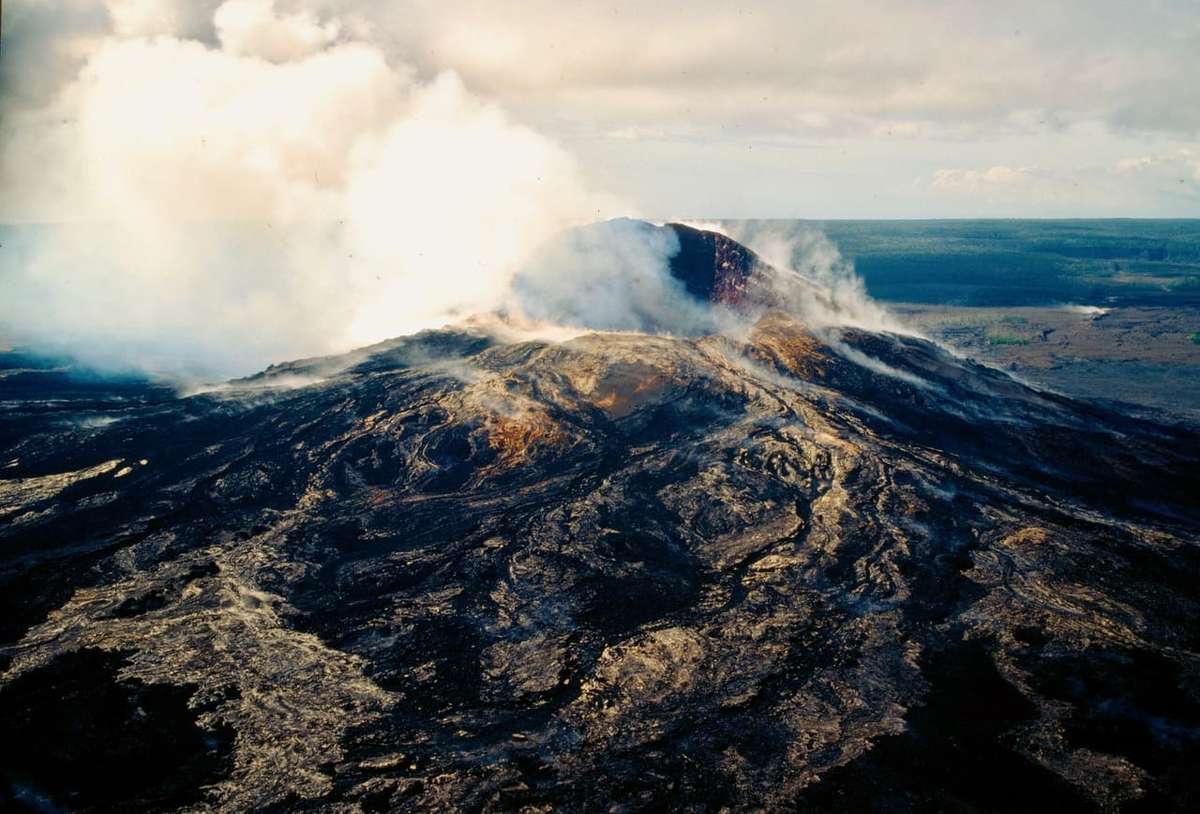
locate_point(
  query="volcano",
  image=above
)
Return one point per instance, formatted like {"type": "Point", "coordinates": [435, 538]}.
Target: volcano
{"type": "Point", "coordinates": [800, 569]}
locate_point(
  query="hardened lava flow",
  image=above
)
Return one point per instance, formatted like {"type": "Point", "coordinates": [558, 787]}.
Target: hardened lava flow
{"type": "Point", "coordinates": [803, 569]}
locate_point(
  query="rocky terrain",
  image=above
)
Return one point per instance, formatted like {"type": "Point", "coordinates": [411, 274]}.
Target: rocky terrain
{"type": "Point", "coordinates": [1143, 357]}
{"type": "Point", "coordinates": [804, 567]}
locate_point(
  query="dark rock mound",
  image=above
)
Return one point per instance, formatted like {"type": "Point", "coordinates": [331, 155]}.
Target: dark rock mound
{"type": "Point", "coordinates": [713, 267]}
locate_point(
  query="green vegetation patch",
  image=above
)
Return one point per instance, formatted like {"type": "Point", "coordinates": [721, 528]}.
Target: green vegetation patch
{"type": "Point", "coordinates": [1007, 339]}
{"type": "Point", "coordinates": [1195, 337]}
{"type": "Point", "coordinates": [1011, 320]}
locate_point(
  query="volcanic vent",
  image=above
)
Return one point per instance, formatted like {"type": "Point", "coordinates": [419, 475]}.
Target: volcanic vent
{"type": "Point", "coordinates": [632, 275]}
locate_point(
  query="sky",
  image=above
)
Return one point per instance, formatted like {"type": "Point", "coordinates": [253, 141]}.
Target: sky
{"type": "Point", "coordinates": [235, 182]}
{"type": "Point", "coordinates": [758, 109]}
{"type": "Point", "coordinates": [851, 109]}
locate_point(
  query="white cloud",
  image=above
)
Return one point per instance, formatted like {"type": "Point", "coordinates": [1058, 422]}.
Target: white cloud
{"type": "Point", "coordinates": [953, 67]}
{"type": "Point", "coordinates": [150, 18]}
{"type": "Point", "coordinates": [1002, 179]}
{"type": "Point", "coordinates": [1182, 166]}
{"type": "Point", "coordinates": [968, 67]}
{"type": "Point", "coordinates": [254, 28]}
{"type": "Point", "coordinates": [1138, 181]}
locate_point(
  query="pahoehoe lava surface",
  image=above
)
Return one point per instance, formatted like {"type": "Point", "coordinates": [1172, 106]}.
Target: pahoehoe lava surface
{"type": "Point", "coordinates": [799, 570]}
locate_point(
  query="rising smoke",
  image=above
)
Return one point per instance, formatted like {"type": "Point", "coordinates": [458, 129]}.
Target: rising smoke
{"type": "Point", "coordinates": [237, 183]}
{"type": "Point", "coordinates": [256, 186]}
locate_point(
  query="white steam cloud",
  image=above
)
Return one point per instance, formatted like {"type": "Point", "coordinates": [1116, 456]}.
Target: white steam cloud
{"type": "Point", "coordinates": [276, 189]}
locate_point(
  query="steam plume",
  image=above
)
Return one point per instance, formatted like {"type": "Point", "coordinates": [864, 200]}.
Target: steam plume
{"type": "Point", "coordinates": [276, 188]}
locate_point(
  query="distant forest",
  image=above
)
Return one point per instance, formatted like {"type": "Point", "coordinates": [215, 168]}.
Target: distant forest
{"type": "Point", "coordinates": [1022, 262]}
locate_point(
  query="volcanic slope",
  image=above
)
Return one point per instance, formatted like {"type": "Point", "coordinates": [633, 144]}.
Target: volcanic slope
{"type": "Point", "coordinates": [805, 569]}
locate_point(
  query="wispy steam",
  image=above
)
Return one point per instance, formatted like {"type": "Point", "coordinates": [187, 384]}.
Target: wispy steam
{"type": "Point", "coordinates": [806, 250]}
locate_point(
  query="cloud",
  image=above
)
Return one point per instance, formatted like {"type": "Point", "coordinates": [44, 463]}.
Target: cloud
{"type": "Point", "coordinates": [769, 68]}
{"type": "Point", "coordinates": [1139, 182]}
{"type": "Point", "coordinates": [150, 18]}
{"type": "Point", "coordinates": [823, 109]}
{"type": "Point", "coordinates": [845, 65]}
{"type": "Point", "coordinates": [1028, 184]}
{"type": "Point", "coordinates": [254, 28]}
{"type": "Point", "coordinates": [1181, 166]}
